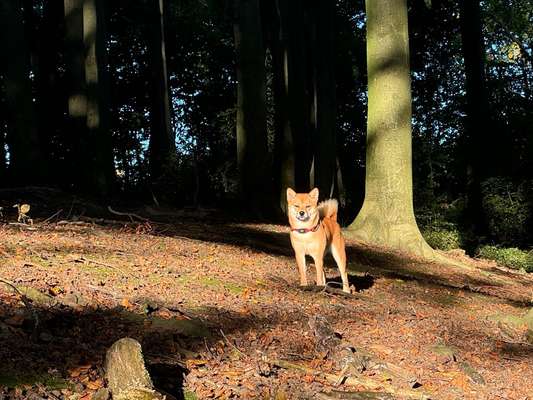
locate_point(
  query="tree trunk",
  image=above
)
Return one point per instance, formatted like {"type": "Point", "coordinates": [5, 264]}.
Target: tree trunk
{"type": "Point", "coordinates": [50, 105]}
{"type": "Point", "coordinates": [298, 57]}
{"type": "Point", "coordinates": [387, 216]}
{"type": "Point", "coordinates": [78, 172]}
{"type": "Point", "coordinates": [252, 148]}
{"type": "Point", "coordinates": [25, 157]}
{"type": "Point", "coordinates": [284, 152]}
{"type": "Point", "coordinates": [323, 89]}
{"type": "Point", "coordinates": [97, 83]}
{"type": "Point", "coordinates": [480, 141]}
{"type": "Point", "coordinates": [162, 142]}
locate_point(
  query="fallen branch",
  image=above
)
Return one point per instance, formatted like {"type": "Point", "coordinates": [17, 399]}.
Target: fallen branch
{"type": "Point", "coordinates": [26, 301]}
{"type": "Point", "coordinates": [129, 215]}
{"type": "Point", "coordinates": [12, 285]}
{"type": "Point", "coordinates": [52, 216]}
{"type": "Point", "coordinates": [368, 383]}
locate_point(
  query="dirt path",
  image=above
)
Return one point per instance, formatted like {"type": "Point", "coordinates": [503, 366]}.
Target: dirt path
{"type": "Point", "coordinates": [220, 302]}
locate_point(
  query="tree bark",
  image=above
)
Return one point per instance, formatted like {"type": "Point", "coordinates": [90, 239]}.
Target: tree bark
{"type": "Point", "coordinates": [387, 216]}
{"type": "Point", "coordinates": [97, 84]}
{"type": "Point", "coordinates": [299, 99]}
{"type": "Point", "coordinates": [480, 141]}
{"type": "Point", "coordinates": [50, 105]}
{"type": "Point", "coordinates": [76, 93]}
{"type": "Point", "coordinates": [162, 142]}
{"type": "Point", "coordinates": [324, 107]}
{"type": "Point", "coordinates": [25, 156]}
{"type": "Point", "coordinates": [284, 152]}
{"type": "Point", "coordinates": [252, 147]}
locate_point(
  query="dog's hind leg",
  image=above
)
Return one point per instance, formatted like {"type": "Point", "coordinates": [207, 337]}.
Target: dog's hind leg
{"type": "Point", "coordinates": [338, 252]}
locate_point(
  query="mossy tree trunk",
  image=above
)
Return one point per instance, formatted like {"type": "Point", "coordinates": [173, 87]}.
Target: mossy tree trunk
{"type": "Point", "coordinates": [162, 141]}
{"type": "Point", "coordinates": [25, 157]}
{"type": "Point", "coordinates": [387, 216]}
{"type": "Point", "coordinates": [97, 83]}
{"type": "Point", "coordinates": [252, 146]}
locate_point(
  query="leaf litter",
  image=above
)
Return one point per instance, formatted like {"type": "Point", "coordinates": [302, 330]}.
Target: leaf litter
{"type": "Point", "coordinates": [217, 308]}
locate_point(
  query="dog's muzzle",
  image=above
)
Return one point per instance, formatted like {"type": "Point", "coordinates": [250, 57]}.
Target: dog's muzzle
{"type": "Point", "coordinates": [302, 216]}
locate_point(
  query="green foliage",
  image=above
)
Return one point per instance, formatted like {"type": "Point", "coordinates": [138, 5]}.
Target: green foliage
{"type": "Point", "coordinates": [16, 380]}
{"type": "Point", "coordinates": [507, 210]}
{"type": "Point", "coordinates": [511, 257]}
{"type": "Point", "coordinates": [443, 238]}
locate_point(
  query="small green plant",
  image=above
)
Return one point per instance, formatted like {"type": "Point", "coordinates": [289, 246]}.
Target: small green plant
{"type": "Point", "coordinates": [442, 238]}
{"type": "Point", "coordinates": [506, 208]}
{"type": "Point", "coordinates": [511, 257]}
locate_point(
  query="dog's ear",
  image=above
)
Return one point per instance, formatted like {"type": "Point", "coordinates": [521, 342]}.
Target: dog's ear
{"type": "Point", "coordinates": [314, 194]}
{"type": "Point", "coordinates": [291, 194]}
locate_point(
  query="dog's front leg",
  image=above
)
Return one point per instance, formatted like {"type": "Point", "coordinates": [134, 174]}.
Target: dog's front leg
{"type": "Point", "coordinates": [319, 265]}
{"type": "Point", "coordinates": [300, 260]}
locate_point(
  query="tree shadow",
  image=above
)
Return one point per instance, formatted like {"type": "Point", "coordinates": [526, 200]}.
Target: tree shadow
{"type": "Point", "coordinates": [372, 260]}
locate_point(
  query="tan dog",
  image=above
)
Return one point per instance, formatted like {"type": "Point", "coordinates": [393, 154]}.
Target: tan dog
{"type": "Point", "coordinates": [315, 230]}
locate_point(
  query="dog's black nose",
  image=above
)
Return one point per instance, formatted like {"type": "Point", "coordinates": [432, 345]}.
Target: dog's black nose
{"type": "Point", "coordinates": [302, 213]}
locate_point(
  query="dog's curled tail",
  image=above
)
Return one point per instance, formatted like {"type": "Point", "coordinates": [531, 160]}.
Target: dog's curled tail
{"type": "Point", "coordinates": [328, 209]}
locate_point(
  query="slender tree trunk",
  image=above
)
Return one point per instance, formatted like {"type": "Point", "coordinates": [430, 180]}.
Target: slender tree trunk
{"type": "Point", "coordinates": [162, 141]}
{"type": "Point", "coordinates": [298, 73]}
{"type": "Point", "coordinates": [26, 160]}
{"type": "Point", "coordinates": [78, 173]}
{"type": "Point", "coordinates": [252, 147]}
{"type": "Point", "coordinates": [323, 89]}
{"type": "Point", "coordinates": [50, 96]}
{"type": "Point", "coordinates": [479, 134]}
{"type": "Point", "coordinates": [284, 152]}
{"type": "Point", "coordinates": [97, 84]}
{"type": "Point", "coordinates": [387, 216]}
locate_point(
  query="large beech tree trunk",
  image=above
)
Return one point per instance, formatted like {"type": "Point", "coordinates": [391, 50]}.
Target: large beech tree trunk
{"type": "Point", "coordinates": [387, 216]}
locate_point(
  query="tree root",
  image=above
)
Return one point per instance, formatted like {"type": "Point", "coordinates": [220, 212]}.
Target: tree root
{"type": "Point", "coordinates": [366, 382]}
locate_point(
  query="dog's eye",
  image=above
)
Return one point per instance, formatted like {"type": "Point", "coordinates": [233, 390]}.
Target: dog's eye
{"type": "Point", "coordinates": [307, 207]}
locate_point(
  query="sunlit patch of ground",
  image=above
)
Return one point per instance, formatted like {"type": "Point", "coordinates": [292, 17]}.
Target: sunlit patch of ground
{"type": "Point", "coordinates": [217, 301]}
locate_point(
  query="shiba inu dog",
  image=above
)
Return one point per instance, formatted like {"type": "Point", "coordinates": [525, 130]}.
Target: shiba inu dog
{"type": "Point", "coordinates": [315, 230]}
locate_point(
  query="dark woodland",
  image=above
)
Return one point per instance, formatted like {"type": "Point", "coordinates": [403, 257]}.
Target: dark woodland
{"type": "Point", "coordinates": [144, 135]}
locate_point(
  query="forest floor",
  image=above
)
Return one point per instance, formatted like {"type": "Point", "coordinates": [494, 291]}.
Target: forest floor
{"type": "Point", "coordinates": [217, 308]}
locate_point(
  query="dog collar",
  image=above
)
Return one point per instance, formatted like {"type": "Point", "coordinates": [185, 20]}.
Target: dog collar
{"type": "Point", "coordinates": [305, 230]}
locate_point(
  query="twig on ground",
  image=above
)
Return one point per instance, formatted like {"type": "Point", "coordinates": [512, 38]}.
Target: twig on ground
{"type": "Point", "coordinates": [52, 216]}
{"type": "Point", "coordinates": [25, 300]}
{"type": "Point", "coordinates": [231, 344]}
{"type": "Point", "coordinates": [104, 264]}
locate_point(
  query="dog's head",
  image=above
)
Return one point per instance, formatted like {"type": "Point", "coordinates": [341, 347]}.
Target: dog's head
{"type": "Point", "coordinates": [302, 206]}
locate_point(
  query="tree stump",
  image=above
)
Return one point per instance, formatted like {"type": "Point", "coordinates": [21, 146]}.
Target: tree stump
{"type": "Point", "coordinates": [126, 373]}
